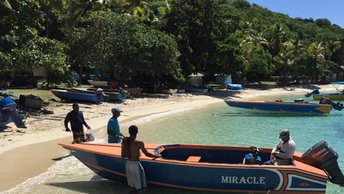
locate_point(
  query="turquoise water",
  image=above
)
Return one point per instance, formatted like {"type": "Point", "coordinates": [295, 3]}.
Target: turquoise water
{"type": "Point", "coordinates": [216, 124]}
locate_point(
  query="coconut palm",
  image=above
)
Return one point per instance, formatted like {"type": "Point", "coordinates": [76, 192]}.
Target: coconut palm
{"type": "Point", "coordinates": [277, 36]}
{"type": "Point", "coordinates": [316, 51]}
{"type": "Point", "coordinates": [139, 8]}
{"type": "Point", "coordinates": [6, 4]}
{"type": "Point", "coordinates": [78, 8]}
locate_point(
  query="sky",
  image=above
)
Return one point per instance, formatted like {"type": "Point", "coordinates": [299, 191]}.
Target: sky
{"type": "Point", "coordinates": [333, 10]}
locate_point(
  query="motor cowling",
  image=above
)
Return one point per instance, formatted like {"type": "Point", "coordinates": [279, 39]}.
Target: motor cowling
{"type": "Point", "coordinates": [338, 106]}
{"type": "Point", "coordinates": [324, 157]}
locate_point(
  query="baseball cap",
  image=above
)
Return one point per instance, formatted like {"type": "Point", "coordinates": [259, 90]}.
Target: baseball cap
{"type": "Point", "coordinates": [116, 110]}
{"type": "Point", "coordinates": [284, 133]}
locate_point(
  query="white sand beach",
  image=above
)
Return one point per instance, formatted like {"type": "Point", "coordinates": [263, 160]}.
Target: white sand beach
{"type": "Point", "coordinates": [28, 152]}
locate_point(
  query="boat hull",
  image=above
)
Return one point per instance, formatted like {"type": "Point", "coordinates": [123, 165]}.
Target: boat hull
{"type": "Point", "coordinates": [110, 96]}
{"type": "Point", "coordinates": [207, 175]}
{"type": "Point", "coordinates": [74, 96]}
{"type": "Point", "coordinates": [98, 83]}
{"type": "Point", "coordinates": [335, 97]}
{"type": "Point", "coordinates": [281, 107]}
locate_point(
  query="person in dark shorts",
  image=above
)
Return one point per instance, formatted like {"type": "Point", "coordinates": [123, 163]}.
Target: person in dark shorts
{"type": "Point", "coordinates": [76, 119]}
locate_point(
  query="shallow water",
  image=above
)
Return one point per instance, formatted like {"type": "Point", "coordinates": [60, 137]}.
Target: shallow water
{"type": "Point", "coordinates": [217, 125]}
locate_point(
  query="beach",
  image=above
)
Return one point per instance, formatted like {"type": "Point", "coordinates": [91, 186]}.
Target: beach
{"type": "Point", "coordinates": [29, 152]}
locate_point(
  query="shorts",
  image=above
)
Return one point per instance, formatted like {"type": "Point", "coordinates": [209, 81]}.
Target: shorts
{"type": "Point", "coordinates": [136, 177]}
{"type": "Point", "coordinates": [78, 136]}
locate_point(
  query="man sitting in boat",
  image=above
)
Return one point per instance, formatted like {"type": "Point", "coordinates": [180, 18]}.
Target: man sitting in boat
{"type": "Point", "coordinates": [282, 153]}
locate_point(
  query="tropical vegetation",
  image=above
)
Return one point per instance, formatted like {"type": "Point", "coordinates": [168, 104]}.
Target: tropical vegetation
{"type": "Point", "coordinates": [164, 41]}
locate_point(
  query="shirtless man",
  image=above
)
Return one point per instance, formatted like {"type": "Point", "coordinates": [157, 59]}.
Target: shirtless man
{"type": "Point", "coordinates": [131, 151]}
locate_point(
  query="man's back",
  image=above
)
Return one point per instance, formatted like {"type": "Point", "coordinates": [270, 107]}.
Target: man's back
{"type": "Point", "coordinates": [135, 148]}
{"type": "Point", "coordinates": [131, 149]}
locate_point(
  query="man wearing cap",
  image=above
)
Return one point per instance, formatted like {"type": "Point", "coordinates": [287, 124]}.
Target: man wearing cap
{"type": "Point", "coordinates": [113, 129]}
{"type": "Point", "coordinates": [282, 154]}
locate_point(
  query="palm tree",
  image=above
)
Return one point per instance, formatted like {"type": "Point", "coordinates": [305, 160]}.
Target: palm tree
{"type": "Point", "coordinates": [284, 60]}
{"type": "Point", "coordinates": [77, 8]}
{"type": "Point", "coordinates": [139, 8]}
{"type": "Point", "coordinates": [278, 34]}
{"type": "Point", "coordinates": [252, 42]}
{"type": "Point", "coordinates": [316, 51]}
{"type": "Point", "coordinates": [47, 7]}
{"type": "Point", "coordinates": [6, 4]}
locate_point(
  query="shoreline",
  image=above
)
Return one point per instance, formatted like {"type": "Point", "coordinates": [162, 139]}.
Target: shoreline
{"type": "Point", "coordinates": [31, 146]}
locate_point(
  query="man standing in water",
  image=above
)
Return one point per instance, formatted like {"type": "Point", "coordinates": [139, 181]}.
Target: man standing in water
{"type": "Point", "coordinates": [76, 119]}
{"type": "Point", "coordinates": [282, 154]}
{"type": "Point", "coordinates": [131, 151]}
{"type": "Point", "coordinates": [113, 129]}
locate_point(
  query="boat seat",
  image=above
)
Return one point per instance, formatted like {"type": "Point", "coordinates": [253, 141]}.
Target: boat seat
{"type": "Point", "coordinates": [193, 159]}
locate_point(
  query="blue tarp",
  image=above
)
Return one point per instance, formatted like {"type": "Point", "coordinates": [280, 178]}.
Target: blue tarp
{"type": "Point", "coordinates": [342, 82]}
{"type": "Point", "coordinates": [7, 102]}
{"type": "Point", "coordinates": [234, 86]}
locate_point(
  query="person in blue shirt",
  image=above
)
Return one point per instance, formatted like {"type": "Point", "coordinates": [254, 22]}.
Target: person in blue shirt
{"type": "Point", "coordinates": [113, 129]}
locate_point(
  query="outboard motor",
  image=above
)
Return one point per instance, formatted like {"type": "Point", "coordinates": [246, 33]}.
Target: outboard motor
{"type": "Point", "coordinates": [337, 106]}
{"type": "Point", "coordinates": [316, 91]}
{"type": "Point", "coordinates": [322, 156]}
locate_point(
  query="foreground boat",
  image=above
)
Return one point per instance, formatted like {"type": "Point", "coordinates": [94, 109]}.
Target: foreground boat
{"type": "Point", "coordinates": [218, 168]}
{"type": "Point", "coordinates": [298, 106]}
{"type": "Point", "coordinates": [75, 96]}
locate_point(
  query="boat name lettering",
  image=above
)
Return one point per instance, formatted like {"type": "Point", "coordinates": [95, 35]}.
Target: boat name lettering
{"type": "Point", "coordinates": [319, 153]}
{"type": "Point", "coordinates": [243, 180]}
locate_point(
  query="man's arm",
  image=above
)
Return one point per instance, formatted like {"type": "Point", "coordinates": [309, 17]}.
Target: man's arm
{"type": "Point", "coordinates": [83, 121]}
{"type": "Point", "coordinates": [276, 148]}
{"type": "Point", "coordinates": [144, 150]}
{"type": "Point", "coordinates": [66, 122]}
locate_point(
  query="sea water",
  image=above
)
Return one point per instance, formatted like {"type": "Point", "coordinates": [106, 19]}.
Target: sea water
{"type": "Point", "coordinates": [216, 124]}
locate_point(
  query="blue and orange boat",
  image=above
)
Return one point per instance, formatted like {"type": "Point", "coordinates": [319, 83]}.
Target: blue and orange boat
{"type": "Point", "coordinates": [219, 168]}
{"type": "Point", "coordinates": [278, 106]}
{"type": "Point", "coordinates": [75, 96]}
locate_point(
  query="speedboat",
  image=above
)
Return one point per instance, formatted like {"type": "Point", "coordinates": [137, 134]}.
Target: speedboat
{"type": "Point", "coordinates": [78, 96]}
{"type": "Point", "coordinates": [335, 95]}
{"type": "Point", "coordinates": [218, 168]}
{"type": "Point", "coordinates": [278, 106]}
